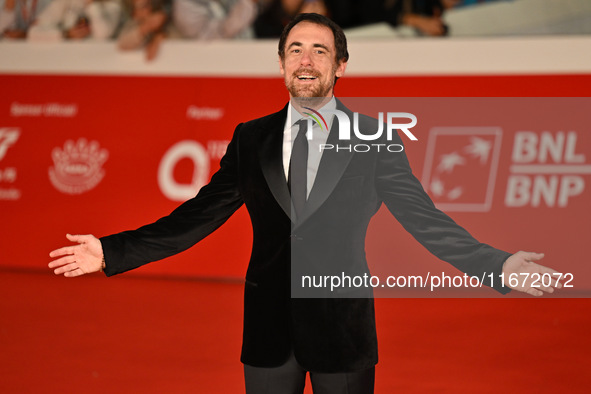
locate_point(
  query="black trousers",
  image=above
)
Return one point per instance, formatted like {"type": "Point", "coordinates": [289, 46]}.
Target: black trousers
{"type": "Point", "coordinates": [290, 378]}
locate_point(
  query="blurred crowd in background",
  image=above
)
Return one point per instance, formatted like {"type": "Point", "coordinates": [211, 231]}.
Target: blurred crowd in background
{"type": "Point", "coordinates": [138, 24]}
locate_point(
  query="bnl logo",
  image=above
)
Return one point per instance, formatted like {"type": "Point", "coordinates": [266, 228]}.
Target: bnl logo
{"type": "Point", "coordinates": [461, 168]}
{"type": "Point", "coordinates": [547, 170]}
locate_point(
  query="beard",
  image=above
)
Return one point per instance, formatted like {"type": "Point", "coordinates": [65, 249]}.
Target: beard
{"type": "Point", "coordinates": [316, 90]}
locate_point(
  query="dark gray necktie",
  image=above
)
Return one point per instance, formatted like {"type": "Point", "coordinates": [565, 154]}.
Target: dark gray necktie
{"type": "Point", "coordinates": [298, 169]}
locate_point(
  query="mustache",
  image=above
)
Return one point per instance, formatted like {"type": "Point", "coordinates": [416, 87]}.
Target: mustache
{"type": "Point", "coordinates": [307, 71]}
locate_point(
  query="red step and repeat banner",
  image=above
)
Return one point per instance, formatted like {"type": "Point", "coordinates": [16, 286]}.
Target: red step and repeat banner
{"type": "Point", "coordinates": [102, 154]}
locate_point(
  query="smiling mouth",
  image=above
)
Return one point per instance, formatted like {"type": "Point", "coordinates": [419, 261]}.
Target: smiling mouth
{"type": "Point", "coordinates": [306, 77]}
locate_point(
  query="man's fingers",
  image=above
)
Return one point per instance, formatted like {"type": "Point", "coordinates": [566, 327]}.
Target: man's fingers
{"type": "Point", "coordinates": [77, 238]}
{"type": "Point", "coordinates": [70, 270]}
{"type": "Point", "coordinates": [537, 289]}
{"type": "Point", "coordinates": [62, 261]}
{"type": "Point", "coordinates": [547, 289]}
{"type": "Point", "coordinates": [73, 273]}
{"type": "Point", "coordinates": [80, 239]}
{"type": "Point", "coordinates": [534, 292]}
{"type": "Point", "coordinates": [555, 277]}
{"type": "Point", "coordinates": [547, 277]}
{"type": "Point", "coordinates": [64, 269]}
{"type": "Point", "coordinates": [66, 250]}
{"type": "Point", "coordinates": [539, 281]}
{"type": "Point", "coordinates": [532, 256]}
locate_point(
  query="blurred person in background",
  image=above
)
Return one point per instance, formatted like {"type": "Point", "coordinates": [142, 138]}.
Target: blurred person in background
{"type": "Point", "coordinates": [78, 19]}
{"type": "Point", "coordinates": [145, 25]}
{"type": "Point", "coordinates": [16, 16]}
{"type": "Point", "coordinates": [212, 19]}
{"type": "Point", "coordinates": [276, 14]}
{"type": "Point", "coordinates": [422, 15]}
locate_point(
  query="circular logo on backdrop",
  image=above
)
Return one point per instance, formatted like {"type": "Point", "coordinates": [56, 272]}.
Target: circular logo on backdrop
{"type": "Point", "coordinates": [188, 149]}
{"type": "Point", "coordinates": [77, 166]}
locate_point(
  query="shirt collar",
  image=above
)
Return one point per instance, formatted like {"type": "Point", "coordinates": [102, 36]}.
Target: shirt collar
{"type": "Point", "coordinates": [293, 115]}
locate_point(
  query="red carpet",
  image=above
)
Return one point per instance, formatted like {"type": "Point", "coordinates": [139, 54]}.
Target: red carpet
{"type": "Point", "coordinates": [128, 334]}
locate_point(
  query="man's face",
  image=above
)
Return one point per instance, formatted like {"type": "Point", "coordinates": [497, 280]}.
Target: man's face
{"type": "Point", "coordinates": [309, 66]}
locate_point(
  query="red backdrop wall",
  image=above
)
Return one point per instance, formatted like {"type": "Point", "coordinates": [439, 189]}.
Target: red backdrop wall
{"type": "Point", "coordinates": [82, 154]}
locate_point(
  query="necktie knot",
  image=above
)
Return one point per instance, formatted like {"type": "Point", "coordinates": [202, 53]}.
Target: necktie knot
{"type": "Point", "coordinates": [301, 126]}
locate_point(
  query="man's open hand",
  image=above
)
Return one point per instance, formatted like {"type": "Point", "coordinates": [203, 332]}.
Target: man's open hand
{"type": "Point", "coordinates": [76, 260]}
{"type": "Point", "coordinates": [521, 273]}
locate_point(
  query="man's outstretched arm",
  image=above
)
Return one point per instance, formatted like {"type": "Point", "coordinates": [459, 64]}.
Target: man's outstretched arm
{"type": "Point", "coordinates": [182, 228]}
{"type": "Point", "coordinates": [84, 258]}
{"type": "Point", "coordinates": [405, 197]}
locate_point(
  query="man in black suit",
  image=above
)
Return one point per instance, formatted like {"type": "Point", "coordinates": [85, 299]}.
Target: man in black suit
{"type": "Point", "coordinates": [309, 221]}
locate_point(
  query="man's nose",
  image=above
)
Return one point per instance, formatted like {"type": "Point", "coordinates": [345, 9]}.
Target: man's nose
{"type": "Point", "coordinates": [306, 59]}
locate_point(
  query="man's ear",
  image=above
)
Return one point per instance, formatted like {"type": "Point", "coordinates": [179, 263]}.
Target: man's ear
{"type": "Point", "coordinates": [341, 69]}
{"type": "Point", "coordinates": [281, 70]}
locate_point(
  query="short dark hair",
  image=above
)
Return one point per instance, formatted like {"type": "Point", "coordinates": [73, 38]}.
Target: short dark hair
{"type": "Point", "coordinates": [340, 41]}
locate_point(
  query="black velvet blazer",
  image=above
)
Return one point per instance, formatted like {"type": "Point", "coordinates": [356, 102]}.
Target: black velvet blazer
{"type": "Point", "coordinates": [327, 333]}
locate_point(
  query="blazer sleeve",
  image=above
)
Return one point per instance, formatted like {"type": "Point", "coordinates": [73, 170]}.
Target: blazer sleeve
{"type": "Point", "coordinates": [185, 226]}
{"type": "Point", "coordinates": [406, 199]}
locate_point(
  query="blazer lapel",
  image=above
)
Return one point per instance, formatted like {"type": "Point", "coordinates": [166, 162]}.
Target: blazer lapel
{"type": "Point", "coordinates": [271, 157]}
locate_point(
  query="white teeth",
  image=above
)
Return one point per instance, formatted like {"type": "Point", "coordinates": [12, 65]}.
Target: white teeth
{"type": "Point", "coordinates": [306, 77]}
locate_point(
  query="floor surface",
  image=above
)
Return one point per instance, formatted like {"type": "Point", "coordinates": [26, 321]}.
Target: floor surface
{"type": "Point", "coordinates": [131, 334]}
